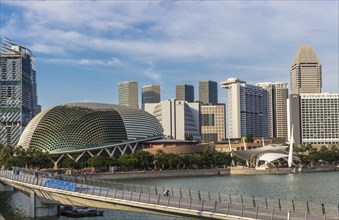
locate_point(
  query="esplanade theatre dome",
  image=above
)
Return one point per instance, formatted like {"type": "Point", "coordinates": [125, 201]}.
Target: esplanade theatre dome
{"type": "Point", "coordinates": [81, 126]}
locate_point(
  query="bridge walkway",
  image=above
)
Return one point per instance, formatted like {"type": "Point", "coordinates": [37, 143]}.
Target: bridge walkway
{"type": "Point", "coordinates": [157, 203]}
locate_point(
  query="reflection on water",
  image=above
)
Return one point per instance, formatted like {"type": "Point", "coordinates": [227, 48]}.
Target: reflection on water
{"type": "Point", "coordinates": [312, 187]}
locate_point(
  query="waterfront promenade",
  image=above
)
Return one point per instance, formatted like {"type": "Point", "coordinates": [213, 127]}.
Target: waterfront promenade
{"type": "Point", "coordinates": [92, 194]}
{"type": "Point", "coordinates": [199, 172]}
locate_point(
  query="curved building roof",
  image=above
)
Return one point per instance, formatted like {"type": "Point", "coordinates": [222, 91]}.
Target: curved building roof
{"type": "Point", "coordinates": [77, 126]}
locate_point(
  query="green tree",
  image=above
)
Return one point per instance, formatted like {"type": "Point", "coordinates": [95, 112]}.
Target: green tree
{"type": "Point", "coordinates": [248, 138]}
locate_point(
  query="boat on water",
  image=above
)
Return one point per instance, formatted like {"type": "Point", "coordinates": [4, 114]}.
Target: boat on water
{"type": "Point", "coordinates": [78, 212]}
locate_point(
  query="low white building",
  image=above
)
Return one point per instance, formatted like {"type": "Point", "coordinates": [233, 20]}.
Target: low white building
{"type": "Point", "coordinates": [179, 119]}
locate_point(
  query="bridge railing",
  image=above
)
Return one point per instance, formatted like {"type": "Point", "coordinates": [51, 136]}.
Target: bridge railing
{"type": "Point", "coordinates": [201, 201]}
{"type": "Point", "coordinates": [246, 200]}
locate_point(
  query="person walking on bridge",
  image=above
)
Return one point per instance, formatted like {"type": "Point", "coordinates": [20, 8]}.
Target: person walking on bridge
{"type": "Point", "coordinates": [36, 176]}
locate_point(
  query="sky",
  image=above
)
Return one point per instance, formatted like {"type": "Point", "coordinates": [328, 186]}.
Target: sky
{"type": "Point", "coordinates": [83, 49]}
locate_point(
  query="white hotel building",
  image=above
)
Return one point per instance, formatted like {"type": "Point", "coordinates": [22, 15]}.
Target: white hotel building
{"type": "Point", "coordinates": [318, 121]}
{"type": "Point", "coordinates": [178, 118]}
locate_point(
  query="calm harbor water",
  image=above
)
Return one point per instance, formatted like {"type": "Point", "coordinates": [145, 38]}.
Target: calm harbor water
{"type": "Point", "coordinates": [313, 187]}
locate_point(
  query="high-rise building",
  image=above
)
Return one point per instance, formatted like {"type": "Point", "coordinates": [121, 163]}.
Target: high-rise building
{"type": "Point", "coordinates": [315, 117]}
{"type": "Point", "coordinates": [180, 119]}
{"type": "Point", "coordinates": [248, 110]}
{"type": "Point", "coordinates": [150, 94]}
{"type": "Point", "coordinates": [185, 92]}
{"type": "Point", "coordinates": [213, 122]}
{"type": "Point", "coordinates": [128, 94]}
{"type": "Point", "coordinates": [18, 91]}
{"type": "Point", "coordinates": [278, 95]}
{"type": "Point", "coordinates": [305, 73]}
{"type": "Point", "coordinates": [208, 92]}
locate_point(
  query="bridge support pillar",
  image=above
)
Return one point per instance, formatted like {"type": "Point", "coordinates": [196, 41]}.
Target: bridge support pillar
{"type": "Point", "coordinates": [40, 209]}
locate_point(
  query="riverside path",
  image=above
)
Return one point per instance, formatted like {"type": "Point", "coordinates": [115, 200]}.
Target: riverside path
{"type": "Point", "coordinates": [81, 193]}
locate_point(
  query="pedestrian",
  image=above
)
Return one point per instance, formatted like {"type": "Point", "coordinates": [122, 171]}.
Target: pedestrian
{"type": "Point", "coordinates": [166, 192]}
{"type": "Point", "coordinates": [36, 176]}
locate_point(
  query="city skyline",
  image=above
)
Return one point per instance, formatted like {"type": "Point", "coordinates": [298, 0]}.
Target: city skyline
{"type": "Point", "coordinates": [137, 42]}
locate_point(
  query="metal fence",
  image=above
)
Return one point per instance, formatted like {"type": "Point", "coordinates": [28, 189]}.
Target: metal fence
{"type": "Point", "coordinates": [243, 206]}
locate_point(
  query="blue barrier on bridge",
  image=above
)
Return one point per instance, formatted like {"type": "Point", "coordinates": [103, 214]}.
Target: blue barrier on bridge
{"type": "Point", "coordinates": [57, 184]}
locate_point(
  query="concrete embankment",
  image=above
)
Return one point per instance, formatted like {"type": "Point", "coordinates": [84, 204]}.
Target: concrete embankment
{"type": "Point", "coordinates": [163, 173]}
{"type": "Point", "coordinates": [203, 172]}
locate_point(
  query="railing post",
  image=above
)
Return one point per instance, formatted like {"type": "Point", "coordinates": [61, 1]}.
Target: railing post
{"type": "Point", "coordinates": [293, 206]}
{"type": "Point", "coordinates": [242, 210]}
{"type": "Point", "coordinates": [215, 206]}
{"type": "Point", "coordinates": [242, 200]}
{"type": "Point", "coordinates": [168, 202]}
{"type": "Point", "coordinates": [149, 198]}
{"type": "Point", "coordinates": [156, 190]}
{"type": "Point", "coordinates": [219, 197]}
{"type": "Point", "coordinates": [253, 200]}
{"type": "Point", "coordinates": [228, 208]}
{"type": "Point", "coordinates": [139, 197]}
{"type": "Point", "coordinates": [158, 199]}
{"type": "Point", "coordinates": [130, 199]}
{"type": "Point", "coordinates": [107, 192]}
{"type": "Point", "coordinates": [180, 193]}
{"type": "Point", "coordinates": [266, 203]}
{"type": "Point", "coordinates": [199, 196]}
{"type": "Point", "coordinates": [190, 203]}
{"type": "Point", "coordinates": [308, 208]}
{"type": "Point", "coordinates": [279, 204]}
{"type": "Point", "coordinates": [172, 191]}
{"type": "Point", "coordinates": [202, 205]}
{"type": "Point", "coordinates": [179, 202]}
{"type": "Point", "coordinates": [100, 191]}
{"type": "Point", "coordinates": [115, 193]}
{"type": "Point", "coordinates": [305, 215]}
{"type": "Point", "coordinates": [189, 192]}
{"type": "Point", "coordinates": [272, 214]}
{"type": "Point", "coordinates": [230, 198]}
{"type": "Point", "coordinates": [288, 214]}
{"type": "Point", "coordinates": [122, 195]}
{"type": "Point", "coordinates": [209, 196]}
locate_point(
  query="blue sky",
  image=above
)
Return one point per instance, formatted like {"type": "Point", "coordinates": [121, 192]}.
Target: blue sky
{"type": "Point", "coordinates": [85, 48]}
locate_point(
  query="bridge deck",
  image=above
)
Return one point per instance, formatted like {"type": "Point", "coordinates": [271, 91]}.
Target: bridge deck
{"type": "Point", "coordinates": [82, 194]}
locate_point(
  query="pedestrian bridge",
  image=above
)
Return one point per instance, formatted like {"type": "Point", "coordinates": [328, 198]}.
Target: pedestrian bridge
{"type": "Point", "coordinates": [47, 193]}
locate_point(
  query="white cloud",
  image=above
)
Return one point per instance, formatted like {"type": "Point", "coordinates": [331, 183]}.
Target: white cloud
{"type": "Point", "coordinates": [85, 62]}
{"type": "Point", "coordinates": [260, 38]}
{"type": "Point", "coordinates": [151, 73]}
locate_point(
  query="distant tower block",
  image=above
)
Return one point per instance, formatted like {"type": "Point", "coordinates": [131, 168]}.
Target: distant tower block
{"type": "Point", "coordinates": [306, 72]}
{"type": "Point", "coordinates": [128, 94]}
{"type": "Point", "coordinates": [185, 92]}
